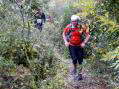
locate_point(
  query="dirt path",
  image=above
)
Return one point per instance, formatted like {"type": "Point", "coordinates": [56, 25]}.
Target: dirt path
{"type": "Point", "coordinates": [88, 82]}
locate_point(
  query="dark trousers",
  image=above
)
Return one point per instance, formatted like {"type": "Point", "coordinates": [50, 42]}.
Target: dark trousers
{"type": "Point", "coordinates": [40, 26]}
{"type": "Point", "coordinates": [76, 53]}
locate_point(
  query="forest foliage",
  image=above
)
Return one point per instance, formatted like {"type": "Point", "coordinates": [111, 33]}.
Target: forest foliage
{"type": "Point", "coordinates": [19, 49]}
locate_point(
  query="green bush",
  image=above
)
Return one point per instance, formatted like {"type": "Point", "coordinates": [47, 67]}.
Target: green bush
{"type": "Point", "coordinates": [7, 67]}
{"type": "Point", "coordinates": [19, 51]}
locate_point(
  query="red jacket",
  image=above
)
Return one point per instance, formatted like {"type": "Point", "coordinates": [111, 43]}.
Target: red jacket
{"type": "Point", "coordinates": [76, 38]}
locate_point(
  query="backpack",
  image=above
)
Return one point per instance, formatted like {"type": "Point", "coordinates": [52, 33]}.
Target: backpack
{"type": "Point", "coordinates": [39, 20]}
{"type": "Point", "coordinates": [73, 36]}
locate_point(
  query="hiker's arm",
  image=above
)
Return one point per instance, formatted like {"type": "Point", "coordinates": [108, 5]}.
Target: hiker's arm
{"type": "Point", "coordinates": [87, 33]}
{"type": "Point", "coordinates": [64, 38]}
{"type": "Point", "coordinates": [44, 17]}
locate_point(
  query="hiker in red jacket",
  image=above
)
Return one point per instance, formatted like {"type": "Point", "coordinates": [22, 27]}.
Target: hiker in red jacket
{"type": "Point", "coordinates": [72, 36]}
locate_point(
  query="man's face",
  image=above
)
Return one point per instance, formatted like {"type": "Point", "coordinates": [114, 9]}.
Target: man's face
{"type": "Point", "coordinates": [74, 23]}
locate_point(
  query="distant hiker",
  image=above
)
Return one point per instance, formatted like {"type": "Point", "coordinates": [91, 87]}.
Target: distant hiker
{"type": "Point", "coordinates": [72, 37]}
{"type": "Point", "coordinates": [39, 19]}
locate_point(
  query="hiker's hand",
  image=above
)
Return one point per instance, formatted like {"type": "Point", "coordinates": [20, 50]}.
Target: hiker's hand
{"type": "Point", "coordinates": [67, 44]}
{"type": "Point", "coordinates": [83, 44]}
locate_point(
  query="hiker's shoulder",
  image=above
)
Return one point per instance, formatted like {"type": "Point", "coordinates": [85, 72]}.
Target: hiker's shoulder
{"type": "Point", "coordinates": [68, 26]}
